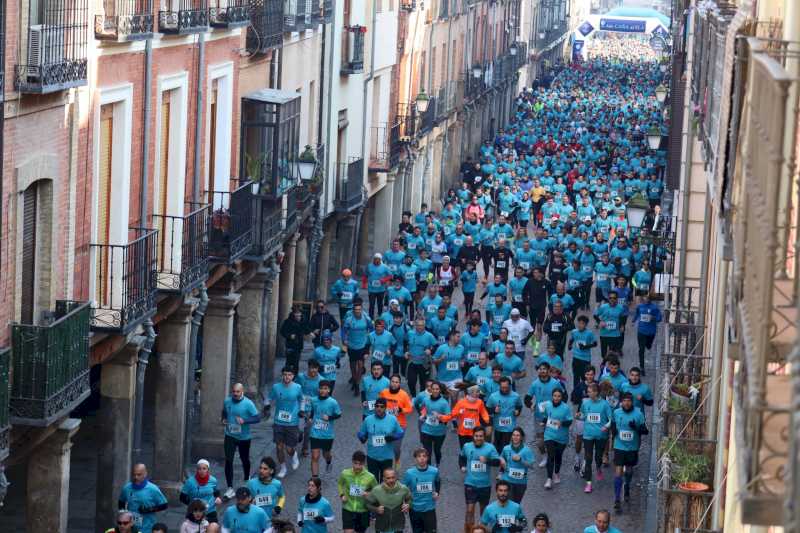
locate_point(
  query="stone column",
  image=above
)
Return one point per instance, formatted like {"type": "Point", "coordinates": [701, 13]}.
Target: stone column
{"type": "Point", "coordinates": [115, 429]}
{"type": "Point", "coordinates": [384, 207]}
{"type": "Point", "coordinates": [48, 481]}
{"type": "Point", "coordinates": [172, 366]}
{"type": "Point", "coordinates": [324, 261]}
{"type": "Point", "coordinates": [273, 321]}
{"type": "Point", "coordinates": [286, 284]}
{"type": "Point", "coordinates": [216, 378]}
{"type": "Point", "coordinates": [301, 270]}
{"type": "Point", "coordinates": [250, 312]}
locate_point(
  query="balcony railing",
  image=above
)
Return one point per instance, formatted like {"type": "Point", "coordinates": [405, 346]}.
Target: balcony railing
{"type": "Point", "coordinates": [350, 186]}
{"type": "Point", "coordinates": [765, 266]}
{"type": "Point", "coordinates": [265, 31]}
{"type": "Point", "coordinates": [328, 9]}
{"type": "Point", "coordinates": [229, 13]}
{"type": "Point", "coordinates": [50, 365]}
{"type": "Point", "coordinates": [427, 120]}
{"type": "Point", "coordinates": [5, 393]}
{"type": "Point", "coordinates": [268, 230]}
{"type": "Point", "coordinates": [124, 282]}
{"type": "Point", "coordinates": [232, 221]}
{"type": "Point", "coordinates": [379, 148]}
{"type": "Point", "coordinates": [401, 133]}
{"type": "Point", "coordinates": [54, 55]}
{"type": "Point", "coordinates": [125, 20]}
{"type": "Point", "coordinates": [296, 15]}
{"type": "Point", "coordinates": [353, 49]}
{"type": "Point", "coordinates": [474, 87]}
{"type": "Point", "coordinates": [440, 113]}
{"type": "Point", "coordinates": [184, 17]}
{"type": "Point", "coordinates": [182, 253]}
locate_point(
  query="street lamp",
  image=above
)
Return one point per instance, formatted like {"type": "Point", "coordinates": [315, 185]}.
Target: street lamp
{"type": "Point", "coordinates": [306, 164]}
{"type": "Point", "coordinates": [654, 138]}
{"type": "Point", "coordinates": [663, 68]}
{"type": "Point", "coordinates": [422, 101]}
{"type": "Point", "coordinates": [661, 94]}
{"type": "Point", "coordinates": [636, 209]}
{"type": "Point", "coordinates": [542, 35]}
{"type": "Point", "coordinates": [477, 71]}
{"type": "Point", "coordinates": [512, 49]}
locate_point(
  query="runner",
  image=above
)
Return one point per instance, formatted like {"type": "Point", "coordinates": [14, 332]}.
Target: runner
{"type": "Point", "coordinates": [648, 315]}
{"type": "Point", "coordinates": [353, 484]}
{"type": "Point", "coordinates": [314, 512]}
{"type": "Point", "coordinates": [377, 431]}
{"type": "Point", "coordinates": [425, 484]}
{"type": "Point", "coordinates": [556, 435]}
{"type": "Point", "coordinates": [287, 396]}
{"type": "Point", "coordinates": [505, 406]}
{"type": "Point", "coordinates": [519, 458]}
{"type": "Point", "coordinates": [355, 336]}
{"type": "Point", "coordinates": [469, 412]}
{"type": "Point", "coordinates": [244, 517]}
{"type": "Point", "coordinates": [476, 459]}
{"type": "Point", "coordinates": [398, 404]}
{"type": "Point", "coordinates": [602, 523]}
{"type": "Point", "coordinates": [389, 502]}
{"type": "Point", "coordinates": [627, 427]}
{"type": "Point", "coordinates": [238, 413]}
{"type": "Point", "coordinates": [328, 356]}
{"type": "Point", "coordinates": [539, 394]}
{"type": "Point", "coordinates": [432, 430]}
{"type": "Point", "coordinates": [344, 292]}
{"type": "Point", "coordinates": [202, 486]}
{"type": "Point", "coordinates": [504, 515]}
{"type": "Point", "coordinates": [267, 492]}
{"type": "Point", "coordinates": [324, 412]}
{"type": "Point", "coordinates": [595, 413]}
{"type": "Point", "coordinates": [142, 499]}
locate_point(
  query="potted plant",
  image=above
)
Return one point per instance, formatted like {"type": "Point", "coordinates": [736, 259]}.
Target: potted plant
{"type": "Point", "coordinates": [689, 471]}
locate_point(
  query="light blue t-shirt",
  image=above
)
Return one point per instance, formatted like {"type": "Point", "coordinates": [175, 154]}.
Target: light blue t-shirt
{"type": "Point", "coordinates": [375, 430]}
{"type": "Point", "coordinates": [422, 484]}
{"type": "Point", "coordinates": [245, 409]}
{"type": "Point", "coordinates": [517, 471]}
{"type": "Point", "coordinates": [286, 401]}
{"type": "Point", "coordinates": [265, 495]}
{"type": "Point", "coordinates": [500, 518]}
{"type": "Point", "coordinates": [596, 415]}
{"type": "Point", "coordinates": [321, 428]}
{"type": "Point", "coordinates": [255, 520]}
{"type": "Point", "coordinates": [478, 473]}
{"type": "Point", "coordinates": [134, 499]}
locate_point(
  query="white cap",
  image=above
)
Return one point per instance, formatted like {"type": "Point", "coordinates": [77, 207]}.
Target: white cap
{"type": "Point", "coordinates": [394, 301]}
{"type": "Point", "coordinates": [515, 312]}
{"type": "Point", "coordinates": [204, 463]}
{"type": "Point", "coordinates": [377, 256]}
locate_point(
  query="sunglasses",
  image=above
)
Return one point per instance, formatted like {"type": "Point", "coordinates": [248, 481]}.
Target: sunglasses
{"type": "Point", "coordinates": [121, 523]}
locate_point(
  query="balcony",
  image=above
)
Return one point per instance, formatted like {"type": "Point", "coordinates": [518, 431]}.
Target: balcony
{"type": "Point", "coordinates": [5, 392]}
{"type": "Point", "coordinates": [427, 120]}
{"type": "Point", "coordinates": [182, 253]}
{"type": "Point", "coordinates": [379, 148]}
{"type": "Point", "coordinates": [474, 85]}
{"type": "Point", "coordinates": [123, 282]}
{"type": "Point", "coordinates": [50, 366]}
{"type": "Point", "coordinates": [124, 21]}
{"type": "Point", "coordinates": [401, 133]}
{"type": "Point", "coordinates": [184, 17]}
{"type": "Point", "coordinates": [229, 13]}
{"type": "Point", "coordinates": [765, 291]}
{"type": "Point", "coordinates": [265, 31]}
{"type": "Point", "coordinates": [353, 50]}
{"type": "Point", "coordinates": [328, 9]}
{"type": "Point", "coordinates": [232, 221]}
{"type": "Point", "coordinates": [350, 186]}
{"type": "Point", "coordinates": [54, 54]}
{"type": "Point", "coordinates": [267, 232]}
{"type": "Point", "coordinates": [296, 15]}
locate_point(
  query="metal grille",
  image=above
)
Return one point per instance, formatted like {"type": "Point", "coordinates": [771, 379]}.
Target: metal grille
{"type": "Point", "coordinates": [125, 20]}
{"type": "Point", "coordinates": [184, 17]}
{"type": "Point", "coordinates": [379, 147]}
{"type": "Point", "coordinates": [353, 49]}
{"type": "Point", "coordinates": [5, 392]}
{"type": "Point", "coordinates": [266, 29]}
{"type": "Point", "coordinates": [231, 233]}
{"type": "Point", "coordinates": [350, 185]}
{"type": "Point", "coordinates": [229, 13]}
{"type": "Point", "coordinates": [182, 249]}
{"type": "Point", "coordinates": [55, 43]}
{"type": "Point", "coordinates": [50, 365]}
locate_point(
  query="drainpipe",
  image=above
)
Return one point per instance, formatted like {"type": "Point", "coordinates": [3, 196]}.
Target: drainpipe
{"type": "Point", "coordinates": [704, 264]}
{"type": "Point", "coordinates": [326, 191]}
{"type": "Point", "coordinates": [141, 367]}
{"type": "Point", "coordinates": [191, 398]}
{"type": "Point", "coordinates": [198, 126]}
{"type": "Point", "coordinates": [146, 111]}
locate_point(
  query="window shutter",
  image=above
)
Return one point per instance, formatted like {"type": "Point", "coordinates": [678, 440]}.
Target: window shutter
{"type": "Point", "coordinates": [212, 137]}
{"type": "Point", "coordinates": [28, 254]}
{"type": "Point", "coordinates": [104, 202]}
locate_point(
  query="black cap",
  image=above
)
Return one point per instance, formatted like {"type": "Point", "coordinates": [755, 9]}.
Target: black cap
{"type": "Point", "coordinates": [242, 493]}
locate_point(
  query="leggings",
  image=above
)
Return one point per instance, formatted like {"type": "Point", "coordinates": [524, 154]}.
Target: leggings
{"type": "Point", "coordinates": [469, 299]}
{"type": "Point", "coordinates": [610, 343]}
{"type": "Point", "coordinates": [433, 445]}
{"type": "Point", "coordinates": [645, 343]}
{"type": "Point", "coordinates": [593, 448]}
{"type": "Point", "coordinates": [555, 452]}
{"type": "Point", "coordinates": [518, 492]}
{"type": "Point", "coordinates": [487, 255]}
{"type": "Point", "coordinates": [399, 365]}
{"type": "Point", "coordinates": [231, 445]}
{"type": "Point", "coordinates": [376, 301]}
{"type": "Point", "coordinates": [416, 372]}
{"type": "Point", "coordinates": [376, 467]}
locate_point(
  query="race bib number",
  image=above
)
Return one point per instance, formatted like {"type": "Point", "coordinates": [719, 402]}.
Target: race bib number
{"type": "Point", "coordinates": [412, 246]}
{"type": "Point", "coordinates": [481, 380]}
{"type": "Point", "coordinates": [477, 466]}
{"type": "Point", "coordinates": [469, 423]}
{"type": "Point", "coordinates": [432, 420]}
{"type": "Point", "coordinates": [624, 261]}
{"type": "Point", "coordinates": [431, 308]}
{"type": "Point", "coordinates": [541, 406]}
{"type": "Point", "coordinates": [444, 282]}
{"type": "Point", "coordinates": [409, 275]}
{"type": "Point", "coordinates": [329, 368]}
{"type": "Point", "coordinates": [504, 214]}
{"type": "Point", "coordinates": [515, 337]}
{"type": "Point", "coordinates": [284, 416]}
{"type": "Point", "coordinates": [458, 242]}
{"type": "Point", "coordinates": [645, 318]}
{"type": "Point", "coordinates": [500, 264]}
{"type": "Point", "coordinates": [574, 283]}
{"type": "Point", "coordinates": [517, 297]}
{"type": "Point", "coordinates": [378, 355]}
{"type": "Point", "coordinates": [371, 405]}
{"type": "Point", "coordinates": [611, 324]}
{"type": "Point", "coordinates": [234, 429]}
{"type": "Point", "coordinates": [525, 265]}
{"type": "Point", "coordinates": [425, 487]}
{"type": "Point", "coordinates": [347, 295]}
{"type": "Point", "coordinates": [321, 425]}
{"type": "Point", "coordinates": [310, 514]}
{"type": "Point", "coordinates": [553, 424]}
{"type": "Point", "coordinates": [137, 519]}
{"type": "Point", "coordinates": [472, 356]}
{"type": "Point", "coordinates": [305, 403]}
{"type": "Point", "coordinates": [504, 421]}
{"type": "Point", "coordinates": [452, 365]}
{"type": "Point", "coordinates": [555, 327]}
{"type": "Point", "coordinates": [594, 418]}
{"type": "Point", "coordinates": [440, 339]}
{"type": "Point", "coordinates": [392, 267]}
{"type": "Point", "coordinates": [505, 520]}
{"type": "Point", "coordinates": [516, 473]}
{"type": "Point", "coordinates": [626, 435]}
{"type": "Point", "coordinates": [376, 283]}
{"type": "Point", "coordinates": [356, 491]}
{"type": "Point", "coordinates": [644, 286]}
{"type": "Point", "coordinates": [587, 268]}
{"type": "Point", "coordinates": [263, 500]}
{"type": "Point", "coordinates": [378, 440]}
{"type": "Point", "coordinates": [602, 277]}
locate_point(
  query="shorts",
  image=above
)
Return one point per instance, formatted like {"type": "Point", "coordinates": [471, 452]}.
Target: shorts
{"type": "Point", "coordinates": [537, 315]}
{"type": "Point", "coordinates": [286, 435]}
{"type": "Point", "coordinates": [356, 521]}
{"type": "Point", "coordinates": [479, 495]}
{"type": "Point", "coordinates": [321, 444]}
{"type": "Point", "coordinates": [625, 457]}
{"type": "Point", "coordinates": [356, 354]}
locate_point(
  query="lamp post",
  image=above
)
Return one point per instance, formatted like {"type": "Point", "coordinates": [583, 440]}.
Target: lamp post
{"type": "Point", "coordinates": [636, 209]}
{"type": "Point", "coordinates": [422, 102]}
{"type": "Point", "coordinates": [306, 164]}
{"type": "Point", "coordinates": [512, 49]}
{"type": "Point", "coordinates": [661, 94]}
{"type": "Point", "coordinates": [477, 71]}
{"type": "Point", "coordinates": [654, 138]}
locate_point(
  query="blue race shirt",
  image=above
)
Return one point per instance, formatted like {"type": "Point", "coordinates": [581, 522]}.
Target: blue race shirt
{"type": "Point", "coordinates": [265, 495]}
{"type": "Point", "coordinates": [134, 499]}
{"type": "Point", "coordinates": [382, 346]}
{"type": "Point", "coordinates": [344, 292]}
{"type": "Point", "coordinates": [580, 339]}
{"type": "Point", "coordinates": [627, 439]}
{"type": "Point", "coordinates": [308, 511]}
{"type": "Point", "coordinates": [611, 316]}
{"type": "Point", "coordinates": [321, 428]}
{"type": "Point", "coordinates": [371, 388]}
{"type": "Point", "coordinates": [596, 415]}
{"type": "Point", "coordinates": [542, 393]}
{"type": "Point", "coordinates": [469, 281]}
{"type": "Point", "coordinates": [647, 316]}
{"type": "Point", "coordinates": [245, 409]}
{"type": "Point", "coordinates": [431, 409]}
{"type": "Point", "coordinates": [254, 520]}
{"type": "Point", "coordinates": [375, 277]}
{"type": "Point", "coordinates": [430, 306]}
{"type": "Point", "coordinates": [509, 405]}
{"type": "Point", "coordinates": [327, 358]}
{"type": "Point", "coordinates": [422, 484]}
{"type": "Point", "coordinates": [517, 471]}
{"type": "Point", "coordinates": [450, 368]}
{"type": "Point", "coordinates": [206, 493]}
{"type": "Point", "coordinates": [479, 376]}
{"type": "Point", "coordinates": [418, 343]}
{"type": "Point", "coordinates": [375, 430]}
{"type": "Point", "coordinates": [500, 518]}
{"type": "Point", "coordinates": [286, 402]}
{"type": "Point", "coordinates": [473, 346]}
{"type": "Point", "coordinates": [558, 419]}
{"type": "Point", "coordinates": [478, 473]}
{"type": "Point", "coordinates": [355, 330]}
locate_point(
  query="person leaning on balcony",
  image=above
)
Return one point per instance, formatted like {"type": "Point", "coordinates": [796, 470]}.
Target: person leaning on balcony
{"type": "Point", "coordinates": [293, 330]}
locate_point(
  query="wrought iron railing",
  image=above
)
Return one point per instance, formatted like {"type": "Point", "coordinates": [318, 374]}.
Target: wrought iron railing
{"type": "Point", "coordinates": [297, 15]}
{"type": "Point", "coordinates": [265, 31]}
{"type": "Point", "coordinates": [184, 17]}
{"type": "Point", "coordinates": [401, 133]}
{"type": "Point", "coordinates": [125, 20]}
{"type": "Point", "coordinates": [124, 282]}
{"type": "Point", "coordinates": [328, 9]}
{"type": "Point", "coordinates": [5, 393]}
{"type": "Point", "coordinates": [427, 120]}
{"type": "Point", "coordinates": [765, 266]}
{"type": "Point", "coordinates": [353, 49]}
{"type": "Point", "coordinates": [229, 13]}
{"type": "Point", "coordinates": [54, 54]}
{"type": "Point", "coordinates": [50, 365]}
{"type": "Point", "coordinates": [182, 250]}
{"type": "Point", "coordinates": [232, 221]}
{"type": "Point", "coordinates": [379, 155]}
{"type": "Point", "coordinates": [350, 185]}
{"type": "Point", "coordinates": [474, 87]}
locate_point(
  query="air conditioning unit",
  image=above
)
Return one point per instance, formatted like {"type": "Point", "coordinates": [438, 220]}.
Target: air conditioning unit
{"type": "Point", "coordinates": [45, 46]}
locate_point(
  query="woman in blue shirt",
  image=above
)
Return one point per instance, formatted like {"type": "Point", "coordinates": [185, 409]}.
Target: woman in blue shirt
{"type": "Point", "coordinates": [558, 418]}
{"type": "Point", "coordinates": [519, 458]}
{"type": "Point", "coordinates": [433, 431]}
{"type": "Point", "coordinates": [595, 413]}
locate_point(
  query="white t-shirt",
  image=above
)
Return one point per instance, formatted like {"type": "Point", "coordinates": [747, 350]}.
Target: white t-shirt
{"type": "Point", "coordinates": [517, 331]}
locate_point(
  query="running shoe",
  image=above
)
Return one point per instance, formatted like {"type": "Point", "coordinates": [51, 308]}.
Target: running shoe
{"type": "Point", "coordinates": [548, 484]}
{"type": "Point", "coordinates": [295, 461]}
{"type": "Point", "coordinates": [556, 479]}
{"type": "Point", "coordinates": [543, 462]}
{"type": "Point", "coordinates": [600, 475]}
{"type": "Point", "coordinates": [229, 494]}
{"type": "Point", "coordinates": [588, 487]}
{"type": "Point", "coordinates": [282, 471]}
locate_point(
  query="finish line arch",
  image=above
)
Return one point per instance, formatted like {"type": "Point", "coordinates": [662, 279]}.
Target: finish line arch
{"type": "Point", "coordinates": [621, 20]}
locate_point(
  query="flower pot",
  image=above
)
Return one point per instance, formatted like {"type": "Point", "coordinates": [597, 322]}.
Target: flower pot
{"type": "Point", "coordinates": [694, 486]}
{"type": "Point", "coordinates": [679, 396]}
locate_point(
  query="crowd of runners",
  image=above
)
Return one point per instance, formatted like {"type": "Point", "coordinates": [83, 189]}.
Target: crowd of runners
{"type": "Point", "coordinates": [536, 250]}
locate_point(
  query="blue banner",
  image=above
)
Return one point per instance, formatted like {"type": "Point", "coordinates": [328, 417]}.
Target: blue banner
{"type": "Point", "coordinates": [622, 25]}
{"type": "Point", "coordinates": [586, 28]}
{"type": "Point", "coordinates": [577, 49]}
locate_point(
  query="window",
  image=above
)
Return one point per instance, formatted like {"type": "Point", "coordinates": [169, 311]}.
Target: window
{"type": "Point", "coordinates": [103, 222]}
{"type": "Point", "coordinates": [433, 69]}
{"type": "Point", "coordinates": [212, 132]}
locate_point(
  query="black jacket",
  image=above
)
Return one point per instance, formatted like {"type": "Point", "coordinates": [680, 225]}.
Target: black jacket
{"type": "Point", "coordinates": [293, 331]}
{"type": "Point", "coordinates": [320, 322]}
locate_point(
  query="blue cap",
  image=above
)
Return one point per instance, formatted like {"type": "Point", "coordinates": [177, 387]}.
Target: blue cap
{"type": "Point", "coordinates": [326, 335]}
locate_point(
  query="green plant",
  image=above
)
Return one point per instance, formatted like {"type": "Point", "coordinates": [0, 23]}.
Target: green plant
{"type": "Point", "coordinates": [686, 466]}
{"type": "Point", "coordinates": [678, 406]}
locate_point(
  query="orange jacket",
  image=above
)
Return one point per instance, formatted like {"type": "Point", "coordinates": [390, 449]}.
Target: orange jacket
{"type": "Point", "coordinates": [397, 403]}
{"type": "Point", "coordinates": [469, 414]}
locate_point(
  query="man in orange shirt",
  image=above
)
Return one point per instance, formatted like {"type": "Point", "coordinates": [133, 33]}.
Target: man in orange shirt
{"type": "Point", "coordinates": [470, 412]}
{"type": "Point", "coordinates": [398, 403]}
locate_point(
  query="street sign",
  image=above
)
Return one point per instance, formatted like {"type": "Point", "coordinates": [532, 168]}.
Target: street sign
{"type": "Point", "coordinates": [658, 43]}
